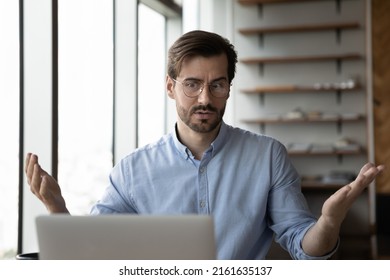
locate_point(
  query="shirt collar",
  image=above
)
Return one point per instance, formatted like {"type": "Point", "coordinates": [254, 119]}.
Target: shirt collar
{"type": "Point", "coordinates": [215, 146]}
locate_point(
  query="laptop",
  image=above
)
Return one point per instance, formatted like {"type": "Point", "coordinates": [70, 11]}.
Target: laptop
{"type": "Point", "coordinates": [125, 237]}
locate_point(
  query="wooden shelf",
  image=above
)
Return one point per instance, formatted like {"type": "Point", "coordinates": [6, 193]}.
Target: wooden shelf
{"type": "Point", "coordinates": [300, 28]}
{"type": "Point", "coordinates": [320, 186]}
{"type": "Point", "coordinates": [304, 120]}
{"type": "Point", "coordinates": [334, 153]}
{"type": "Point", "coordinates": [256, 2]}
{"type": "Point", "coordinates": [309, 58]}
{"type": "Point", "coordinates": [297, 89]}
{"type": "Point", "coordinates": [339, 121]}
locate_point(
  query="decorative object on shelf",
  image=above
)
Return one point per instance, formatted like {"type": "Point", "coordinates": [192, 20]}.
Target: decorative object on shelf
{"type": "Point", "coordinates": [339, 177]}
{"type": "Point", "coordinates": [336, 87]}
{"type": "Point", "coordinates": [322, 148]}
{"type": "Point", "coordinates": [341, 147]}
{"type": "Point", "coordinates": [296, 114]}
{"type": "Point", "coordinates": [332, 180]}
{"type": "Point", "coordinates": [347, 145]}
{"type": "Point", "coordinates": [343, 85]}
{"type": "Point", "coordinates": [298, 147]}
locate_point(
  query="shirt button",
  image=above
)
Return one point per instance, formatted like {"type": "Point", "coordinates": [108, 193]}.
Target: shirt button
{"type": "Point", "coordinates": [202, 204]}
{"type": "Point", "coordinates": [201, 169]}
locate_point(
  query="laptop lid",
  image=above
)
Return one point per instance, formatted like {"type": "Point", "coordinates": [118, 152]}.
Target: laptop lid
{"type": "Point", "coordinates": [137, 237]}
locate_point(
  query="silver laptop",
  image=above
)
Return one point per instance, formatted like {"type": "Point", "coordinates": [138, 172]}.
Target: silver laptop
{"type": "Point", "coordinates": [125, 237]}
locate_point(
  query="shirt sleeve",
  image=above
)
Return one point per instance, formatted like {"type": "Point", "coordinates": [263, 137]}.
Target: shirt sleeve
{"type": "Point", "coordinates": [117, 195]}
{"type": "Point", "coordinates": [289, 214]}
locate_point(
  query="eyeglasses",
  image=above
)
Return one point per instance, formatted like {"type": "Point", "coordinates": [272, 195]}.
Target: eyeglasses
{"type": "Point", "coordinates": [193, 88]}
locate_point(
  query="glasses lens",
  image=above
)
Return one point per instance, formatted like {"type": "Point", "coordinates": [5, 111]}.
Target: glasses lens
{"type": "Point", "coordinates": [192, 87]}
{"type": "Point", "coordinates": [219, 89]}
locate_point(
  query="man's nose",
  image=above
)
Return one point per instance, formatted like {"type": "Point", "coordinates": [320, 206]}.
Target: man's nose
{"type": "Point", "coordinates": [204, 95]}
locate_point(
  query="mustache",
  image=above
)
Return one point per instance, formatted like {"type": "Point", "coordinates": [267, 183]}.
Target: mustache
{"type": "Point", "coordinates": [207, 107]}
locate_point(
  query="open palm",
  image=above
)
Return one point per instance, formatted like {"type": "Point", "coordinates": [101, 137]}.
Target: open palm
{"type": "Point", "coordinates": [336, 206]}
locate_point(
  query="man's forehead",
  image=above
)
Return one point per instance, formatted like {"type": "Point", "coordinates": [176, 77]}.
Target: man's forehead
{"type": "Point", "coordinates": [191, 57]}
{"type": "Point", "coordinates": [215, 63]}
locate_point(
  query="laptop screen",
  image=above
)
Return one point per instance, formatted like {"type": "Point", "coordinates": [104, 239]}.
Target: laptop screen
{"type": "Point", "coordinates": [137, 237]}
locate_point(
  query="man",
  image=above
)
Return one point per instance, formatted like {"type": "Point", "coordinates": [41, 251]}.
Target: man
{"type": "Point", "coordinates": [205, 166]}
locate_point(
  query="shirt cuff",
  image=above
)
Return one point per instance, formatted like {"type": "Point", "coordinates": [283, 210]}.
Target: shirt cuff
{"type": "Point", "coordinates": [324, 257]}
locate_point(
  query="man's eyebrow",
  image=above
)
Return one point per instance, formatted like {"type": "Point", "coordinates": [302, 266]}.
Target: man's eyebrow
{"type": "Point", "coordinates": [192, 79]}
{"type": "Point", "coordinates": [219, 79]}
{"type": "Point", "coordinates": [200, 80]}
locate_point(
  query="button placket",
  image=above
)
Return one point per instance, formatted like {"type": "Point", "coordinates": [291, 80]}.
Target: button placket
{"type": "Point", "coordinates": [203, 195]}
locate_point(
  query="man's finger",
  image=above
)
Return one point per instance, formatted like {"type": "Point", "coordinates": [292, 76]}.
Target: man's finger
{"type": "Point", "coordinates": [36, 180]}
{"type": "Point", "coordinates": [28, 157]}
{"type": "Point", "coordinates": [31, 160]}
{"type": "Point", "coordinates": [366, 176]}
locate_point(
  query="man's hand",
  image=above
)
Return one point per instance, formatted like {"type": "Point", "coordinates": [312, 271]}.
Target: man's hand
{"type": "Point", "coordinates": [44, 186]}
{"type": "Point", "coordinates": [336, 206]}
{"type": "Point", "coordinates": [322, 237]}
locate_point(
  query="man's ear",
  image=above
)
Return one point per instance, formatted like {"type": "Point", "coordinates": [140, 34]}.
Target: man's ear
{"type": "Point", "coordinates": [169, 84]}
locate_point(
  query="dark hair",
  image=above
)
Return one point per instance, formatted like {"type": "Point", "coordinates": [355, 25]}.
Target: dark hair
{"type": "Point", "coordinates": [201, 43]}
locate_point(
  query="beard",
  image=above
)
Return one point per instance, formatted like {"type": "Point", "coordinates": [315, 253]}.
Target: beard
{"type": "Point", "coordinates": [204, 125]}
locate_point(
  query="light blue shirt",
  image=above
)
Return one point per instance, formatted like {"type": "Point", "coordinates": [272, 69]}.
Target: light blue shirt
{"type": "Point", "coordinates": [244, 180]}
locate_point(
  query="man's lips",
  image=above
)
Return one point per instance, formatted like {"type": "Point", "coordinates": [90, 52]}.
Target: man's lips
{"type": "Point", "coordinates": [203, 114]}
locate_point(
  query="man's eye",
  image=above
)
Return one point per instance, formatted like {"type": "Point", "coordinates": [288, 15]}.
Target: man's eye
{"type": "Point", "coordinates": [190, 84]}
{"type": "Point", "coordinates": [217, 85]}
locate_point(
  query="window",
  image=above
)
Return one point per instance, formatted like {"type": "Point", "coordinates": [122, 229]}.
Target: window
{"type": "Point", "coordinates": [9, 126]}
{"type": "Point", "coordinates": [85, 100]}
{"type": "Point", "coordinates": [94, 77]}
{"type": "Point", "coordinates": [151, 75]}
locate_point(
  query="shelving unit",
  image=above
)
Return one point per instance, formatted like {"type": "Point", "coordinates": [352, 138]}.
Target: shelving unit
{"type": "Point", "coordinates": [309, 58]}
{"type": "Point", "coordinates": [292, 77]}
{"type": "Point", "coordinates": [305, 120]}
{"type": "Point", "coordinates": [299, 28]}
{"type": "Point", "coordinates": [338, 89]}
{"type": "Point", "coordinates": [296, 89]}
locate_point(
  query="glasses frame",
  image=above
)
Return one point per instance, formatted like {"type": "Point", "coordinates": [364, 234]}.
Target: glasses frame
{"type": "Point", "coordinates": [201, 89]}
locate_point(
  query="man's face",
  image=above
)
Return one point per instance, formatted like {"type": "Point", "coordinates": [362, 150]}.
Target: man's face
{"type": "Point", "coordinates": [202, 113]}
